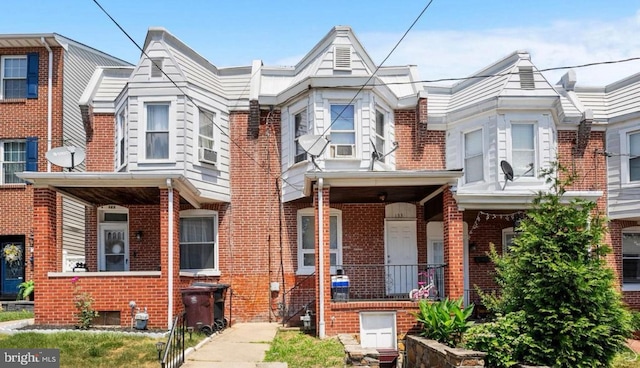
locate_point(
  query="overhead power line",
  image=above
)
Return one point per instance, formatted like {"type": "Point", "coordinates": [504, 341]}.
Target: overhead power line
{"type": "Point", "coordinates": [191, 99]}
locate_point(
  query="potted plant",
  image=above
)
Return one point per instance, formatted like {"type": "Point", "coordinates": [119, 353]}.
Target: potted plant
{"type": "Point", "coordinates": [12, 253]}
{"type": "Point", "coordinates": [25, 290]}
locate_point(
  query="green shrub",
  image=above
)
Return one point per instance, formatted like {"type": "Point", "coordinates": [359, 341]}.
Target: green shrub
{"type": "Point", "coordinates": [556, 275]}
{"type": "Point", "coordinates": [444, 321]}
{"type": "Point", "coordinates": [501, 339]}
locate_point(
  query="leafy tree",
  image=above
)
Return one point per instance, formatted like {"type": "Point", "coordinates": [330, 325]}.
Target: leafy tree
{"type": "Point", "coordinates": [557, 281]}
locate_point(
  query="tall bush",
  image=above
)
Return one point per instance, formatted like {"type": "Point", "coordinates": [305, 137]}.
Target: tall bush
{"type": "Point", "coordinates": [556, 275]}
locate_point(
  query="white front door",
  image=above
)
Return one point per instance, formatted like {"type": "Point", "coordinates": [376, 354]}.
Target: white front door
{"type": "Point", "coordinates": [401, 253]}
{"type": "Point", "coordinates": [113, 247]}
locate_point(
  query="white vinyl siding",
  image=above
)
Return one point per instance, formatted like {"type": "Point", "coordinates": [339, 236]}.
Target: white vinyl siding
{"type": "Point", "coordinates": [473, 156]}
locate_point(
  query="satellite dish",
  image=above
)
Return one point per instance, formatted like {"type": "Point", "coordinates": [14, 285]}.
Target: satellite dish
{"type": "Point", "coordinates": [507, 170]}
{"type": "Point", "coordinates": [66, 156]}
{"type": "Point", "coordinates": [376, 156]}
{"type": "Point", "coordinates": [314, 145]}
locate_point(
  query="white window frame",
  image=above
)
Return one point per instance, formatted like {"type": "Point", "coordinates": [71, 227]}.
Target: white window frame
{"type": "Point", "coordinates": [628, 286]}
{"type": "Point", "coordinates": [113, 225]}
{"type": "Point", "coordinates": [3, 162]}
{"type": "Point", "coordinates": [121, 143]}
{"type": "Point", "coordinates": [215, 271]}
{"type": "Point", "coordinates": [506, 233]}
{"type": "Point", "coordinates": [302, 112]}
{"type": "Point", "coordinates": [465, 158]}
{"type": "Point", "coordinates": [142, 128]}
{"type": "Point", "coordinates": [376, 135]}
{"type": "Point", "coordinates": [356, 124]}
{"type": "Point", "coordinates": [308, 270]}
{"type": "Point", "coordinates": [625, 150]}
{"type": "Point", "coordinates": [2, 76]}
{"type": "Point", "coordinates": [536, 147]}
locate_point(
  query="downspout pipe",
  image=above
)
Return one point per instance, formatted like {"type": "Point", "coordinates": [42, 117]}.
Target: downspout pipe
{"type": "Point", "coordinates": [170, 253]}
{"type": "Point", "coordinates": [49, 94]}
{"type": "Point", "coordinates": [321, 322]}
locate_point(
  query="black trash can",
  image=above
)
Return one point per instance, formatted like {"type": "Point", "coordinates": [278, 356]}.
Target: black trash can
{"type": "Point", "coordinates": [218, 295]}
{"type": "Point", "coordinates": [198, 303]}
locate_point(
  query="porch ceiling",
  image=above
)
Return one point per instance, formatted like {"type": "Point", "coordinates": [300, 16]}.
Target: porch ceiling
{"type": "Point", "coordinates": [372, 194]}
{"type": "Point", "coordinates": [120, 196]}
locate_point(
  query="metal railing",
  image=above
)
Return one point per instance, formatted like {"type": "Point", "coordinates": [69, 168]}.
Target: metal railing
{"type": "Point", "coordinates": [297, 300]}
{"type": "Point", "coordinates": [392, 282]}
{"type": "Point", "coordinates": [473, 296]}
{"type": "Point", "coordinates": [174, 349]}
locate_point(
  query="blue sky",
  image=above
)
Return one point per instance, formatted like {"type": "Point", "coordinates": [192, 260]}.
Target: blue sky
{"type": "Point", "coordinates": [452, 39]}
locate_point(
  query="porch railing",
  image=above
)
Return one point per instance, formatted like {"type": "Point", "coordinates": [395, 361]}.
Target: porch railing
{"type": "Point", "coordinates": [392, 282]}
{"type": "Point", "coordinates": [174, 350]}
{"type": "Point", "coordinates": [298, 299]}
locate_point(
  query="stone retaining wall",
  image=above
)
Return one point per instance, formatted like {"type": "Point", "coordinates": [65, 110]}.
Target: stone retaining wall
{"type": "Point", "coordinates": [425, 353]}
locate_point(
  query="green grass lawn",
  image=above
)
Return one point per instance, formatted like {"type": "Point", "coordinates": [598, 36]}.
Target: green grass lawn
{"type": "Point", "coordinates": [303, 351]}
{"type": "Point", "coordinates": [13, 316]}
{"type": "Point", "coordinates": [626, 359]}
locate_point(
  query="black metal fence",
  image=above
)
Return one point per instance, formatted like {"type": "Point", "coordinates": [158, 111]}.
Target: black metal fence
{"type": "Point", "coordinates": [297, 300]}
{"type": "Point", "coordinates": [173, 352]}
{"type": "Point", "coordinates": [393, 282]}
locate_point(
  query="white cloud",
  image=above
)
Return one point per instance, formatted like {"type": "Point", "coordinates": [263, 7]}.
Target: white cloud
{"type": "Point", "coordinates": [453, 54]}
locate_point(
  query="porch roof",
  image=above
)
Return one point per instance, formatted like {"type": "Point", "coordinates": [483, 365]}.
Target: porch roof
{"type": "Point", "coordinates": [366, 186]}
{"type": "Point", "coordinates": [95, 188]}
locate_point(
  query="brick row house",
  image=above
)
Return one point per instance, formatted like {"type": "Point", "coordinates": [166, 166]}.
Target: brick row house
{"type": "Point", "coordinates": [276, 179]}
{"type": "Point", "coordinates": [41, 79]}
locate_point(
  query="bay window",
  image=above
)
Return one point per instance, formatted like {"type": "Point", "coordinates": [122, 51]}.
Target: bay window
{"type": "Point", "coordinates": [300, 128]}
{"type": "Point", "coordinates": [157, 131]}
{"type": "Point", "coordinates": [379, 134]}
{"type": "Point", "coordinates": [634, 156]}
{"type": "Point", "coordinates": [523, 149]}
{"type": "Point", "coordinates": [343, 131]}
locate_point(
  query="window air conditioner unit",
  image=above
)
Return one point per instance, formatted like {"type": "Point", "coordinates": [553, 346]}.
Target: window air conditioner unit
{"type": "Point", "coordinates": [208, 155]}
{"type": "Point", "coordinates": [342, 150]}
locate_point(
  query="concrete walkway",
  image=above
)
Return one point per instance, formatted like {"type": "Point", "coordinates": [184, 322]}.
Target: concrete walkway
{"type": "Point", "coordinates": [241, 346]}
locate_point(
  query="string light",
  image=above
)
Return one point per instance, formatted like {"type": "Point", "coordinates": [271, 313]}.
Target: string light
{"type": "Point", "coordinates": [493, 216]}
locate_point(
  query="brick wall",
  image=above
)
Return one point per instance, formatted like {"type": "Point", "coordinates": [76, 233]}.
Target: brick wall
{"type": "Point", "coordinates": [100, 149]}
{"type": "Point", "coordinates": [419, 148]}
{"type": "Point", "coordinates": [23, 118]}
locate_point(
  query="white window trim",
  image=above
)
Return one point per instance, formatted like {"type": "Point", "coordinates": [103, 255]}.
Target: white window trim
{"type": "Point", "coordinates": [628, 286]}
{"type": "Point", "coordinates": [385, 127]}
{"type": "Point", "coordinates": [2, 161]}
{"type": "Point", "coordinates": [102, 224]}
{"type": "Point", "coordinates": [196, 134]}
{"type": "Point", "coordinates": [121, 134]}
{"type": "Point", "coordinates": [536, 147]}
{"type": "Point", "coordinates": [506, 232]}
{"type": "Point", "coordinates": [293, 134]}
{"type": "Point", "coordinates": [172, 101]}
{"type": "Point", "coordinates": [2, 77]}
{"type": "Point", "coordinates": [215, 271]}
{"type": "Point", "coordinates": [357, 127]}
{"type": "Point", "coordinates": [484, 155]}
{"type": "Point", "coordinates": [625, 149]}
{"type": "Point", "coordinates": [306, 270]}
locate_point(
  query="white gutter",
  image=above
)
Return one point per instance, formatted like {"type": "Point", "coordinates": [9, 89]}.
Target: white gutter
{"type": "Point", "coordinates": [49, 83]}
{"type": "Point", "coordinates": [170, 245]}
{"type": "Point", "coordinates": [321, 323]}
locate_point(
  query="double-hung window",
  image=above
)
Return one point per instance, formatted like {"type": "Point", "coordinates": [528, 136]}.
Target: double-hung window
{"type": "Point", "coordinates": [300, 128]}
{"type": "Point", "coordinates": [14, 77]}
{"type": "Point", "coordinates": [120, 138]}
{"type": "Point", "coordinates": [523, 152]}
{"type": "Point", "coordinates": [13, 161]}
{"type": "Point", "coordinates": [206, 138]}
{"type": "Point", "coordinates": [634, 156]}
{"type": "Point", "coordinates": [631, 257]}
{"type": "Point", "coordinates": [157, 133]}
{"type": "Point", "coordinates": [473, 156]}
{"type": "Point", "coordinates": [198, 235]}
{"type": "Point", "coordinates": [379, 134]}
{"type": "Point", "coordinates": [343, 131]}
{"type": "Point", "coordinates": [306, 240]}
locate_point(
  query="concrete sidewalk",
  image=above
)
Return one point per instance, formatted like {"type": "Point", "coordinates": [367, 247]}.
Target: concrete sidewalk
{"type": "Point", "coordinates": [241, 346]}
